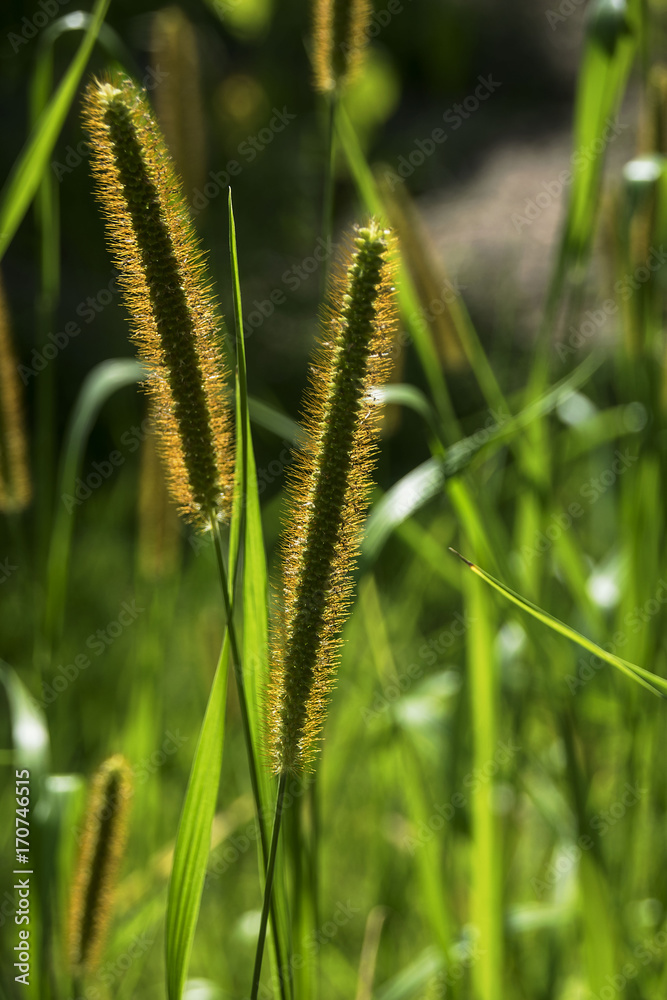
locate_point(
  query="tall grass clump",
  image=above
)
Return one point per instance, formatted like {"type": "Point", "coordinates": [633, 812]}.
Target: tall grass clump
{"type": "Point", "coordinates": [488, 818]}
{"type": "Point", "coordinates": [172, 308]}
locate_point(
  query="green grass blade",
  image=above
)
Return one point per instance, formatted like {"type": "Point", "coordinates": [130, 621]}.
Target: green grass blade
{"type": "Point", "coordinates": [30, 734]}
{"type": "Point", "coordinates": [24, 180]}
{"type": "Point", "coordinates": [486, 902]}
{"type": "Point", "coordinates": [413, 980]}
{"type": "Point", "coordinates": [404, 498]}
{"type": "Point", "coordinates": [418, 802]}
{"type": "Point", "coordinates": [255, 584]}
{"type": "Point", "coordinates": [425, 481]}
{"type": "Point", "coordinates": [254, 599]}
{"type": "Point", "coordinates": [657, 685]}
{"type": "Point", "coordinates": [266, 416]}
{"type": "Point", "coordinates": [194, 834]}
{"type": "Point", "coordinates": [399, 394]}
{"type": "Point", "coordinates": [241, 375]}
{"type": "Point", "coordinates": [608, 56]}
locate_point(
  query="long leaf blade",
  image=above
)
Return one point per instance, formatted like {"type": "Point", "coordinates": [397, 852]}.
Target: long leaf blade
{"type": "Point", "coordinates": [22, 185]}
{"type": "Point", "coordinates": [657, 685]}
{"type": "Point", "coordinates": [194, 834]}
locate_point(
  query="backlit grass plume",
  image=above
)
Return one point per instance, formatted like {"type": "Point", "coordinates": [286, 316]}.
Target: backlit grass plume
{"type": "Point", "coordinates": [340, 36]}
{"type": "Point", "coordinates": [102, 846]}
{"type": "Point", "coordinates": [329, 496]}
{"type": "Point", "coordinates": [15, 489]}
{"type": "Point", "coordinates": [172, 309]}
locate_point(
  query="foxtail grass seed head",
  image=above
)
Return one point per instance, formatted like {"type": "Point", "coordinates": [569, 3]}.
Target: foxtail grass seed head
{"type": "Point", "coordinates": [15, 490]}
{"type": "Point", "coordinates": [340, 36]}
{"type": "Point", "coordinates": [102, 846]}
{"type": "Point", "coordinates": [171, 305]}
{"type": "Point", "coordinates": [328, 497]}
{"type": "Point", "coordinates": [177, 95]}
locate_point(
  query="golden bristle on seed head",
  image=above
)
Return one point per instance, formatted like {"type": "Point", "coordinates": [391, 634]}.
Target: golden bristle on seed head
{"type": "Point", "coordinates": [340, 36]}
{"type": "Point", "coordinates": [328, 497]}
{"type": "Point", "coordinates": [102, 846]}
{"type": "Point", "coordinates": [15, 491]}
{"type": "Point", "coordinates": [172, 309]}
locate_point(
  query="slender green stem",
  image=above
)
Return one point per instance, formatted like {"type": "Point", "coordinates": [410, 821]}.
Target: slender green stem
{"type": "Point", "coordinates": [241, 374]}
{"type": "Point", "coordinates": [243, 424]}
{"type": "Point", "coordinates": [238, 671]}
{"type": "Point", "coordinates": [245, 724]}
{"type": "Point", "coordinates": [268, 887]}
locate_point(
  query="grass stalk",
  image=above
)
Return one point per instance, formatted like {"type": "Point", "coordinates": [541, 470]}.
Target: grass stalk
{"type": "Point", "coordinates": [268, 887]}
{"type": "Point", "coordinates": [240, 525]}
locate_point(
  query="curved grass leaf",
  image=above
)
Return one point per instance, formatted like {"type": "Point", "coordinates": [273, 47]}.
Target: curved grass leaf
{"type": "Point", "coordinates": [401, 501]}
{"type": "Point", "coordinates": [30, 734]}
{"type": "Point", "coordinates": [24, 180]}
{"type": "Point", "coordinates": [657, 685]}
{"type": "Point", "coordinates": [413, 980]}
{"type": "Point", "coordinates": [266, 416]}
{"type": "Point", "coordinates": [400, 394]}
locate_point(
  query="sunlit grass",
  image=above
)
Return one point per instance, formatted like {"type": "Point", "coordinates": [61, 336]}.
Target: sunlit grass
{"type": "Point", "coordinates": [487, 818]}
